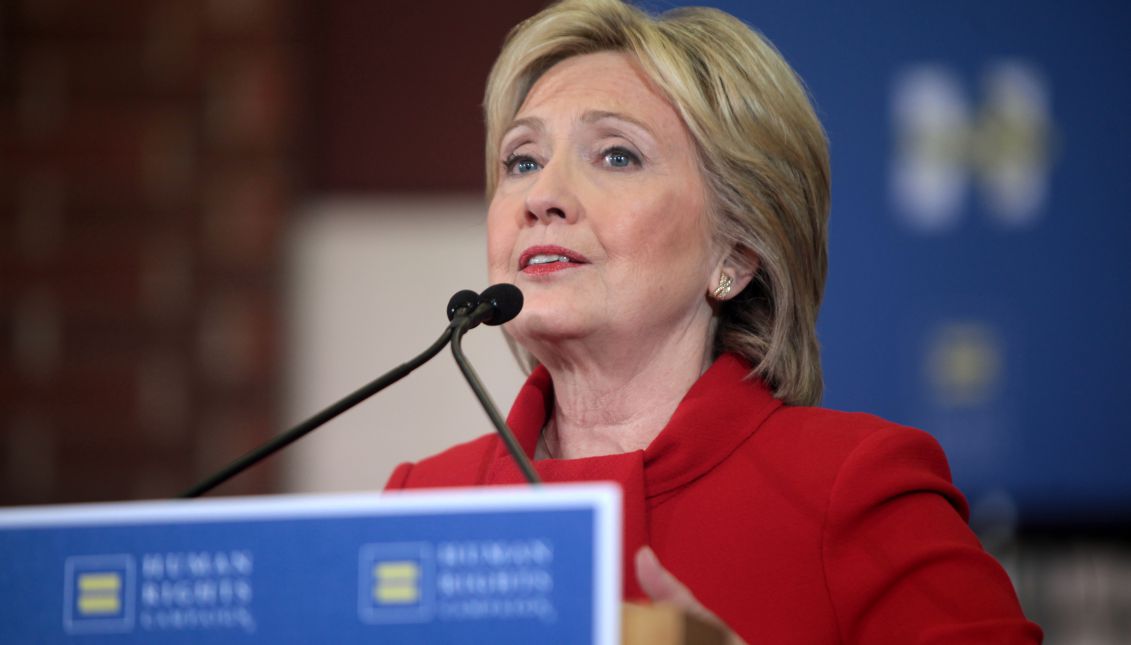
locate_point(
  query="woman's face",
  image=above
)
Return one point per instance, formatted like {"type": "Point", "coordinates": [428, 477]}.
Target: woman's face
{"type": "Point", "coordinates": [599, 215]}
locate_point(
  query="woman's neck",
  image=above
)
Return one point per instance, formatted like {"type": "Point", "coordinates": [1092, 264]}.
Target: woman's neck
{"type": "Point", "coordinates": [618, 402]}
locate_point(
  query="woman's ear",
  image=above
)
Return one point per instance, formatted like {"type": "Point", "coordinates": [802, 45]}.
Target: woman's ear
{"type": "Point", "coordinates": [732, 274]}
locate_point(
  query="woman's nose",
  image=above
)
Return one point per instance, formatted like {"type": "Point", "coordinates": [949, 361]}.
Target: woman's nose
{"type": "Point", "coordinates": [552, 196]}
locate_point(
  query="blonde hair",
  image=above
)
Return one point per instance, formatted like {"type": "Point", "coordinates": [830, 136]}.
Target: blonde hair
{"type": "Point", "coordinates": [762, 152]}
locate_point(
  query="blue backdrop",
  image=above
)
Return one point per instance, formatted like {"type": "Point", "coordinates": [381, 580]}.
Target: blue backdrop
{"type": "Point", "coordinates": [979, 282]}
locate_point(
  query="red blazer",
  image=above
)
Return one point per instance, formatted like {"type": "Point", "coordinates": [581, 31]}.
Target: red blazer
{"type": "Point", "coordinates": [792, 524]}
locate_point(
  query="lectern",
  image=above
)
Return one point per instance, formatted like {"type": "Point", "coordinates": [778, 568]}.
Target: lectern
{"type": "Point", "coordinates": [486, 565]}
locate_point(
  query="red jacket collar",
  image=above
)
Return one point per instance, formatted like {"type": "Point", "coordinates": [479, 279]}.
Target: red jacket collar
{"type": "Point", "coordinates": [720, 411]}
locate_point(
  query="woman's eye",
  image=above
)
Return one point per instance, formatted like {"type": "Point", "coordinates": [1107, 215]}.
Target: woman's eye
{"type": "Point", "coordinates": [520, 164]}
{"type": "Point", "coordinates": [620, 158]}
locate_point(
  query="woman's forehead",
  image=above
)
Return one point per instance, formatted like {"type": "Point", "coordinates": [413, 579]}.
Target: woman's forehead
{"type": "Point", "coordinates": [599, 83]}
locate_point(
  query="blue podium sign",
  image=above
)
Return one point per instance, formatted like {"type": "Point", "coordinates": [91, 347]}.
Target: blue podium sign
{"type": "Point", "coordinates": [497, 565]}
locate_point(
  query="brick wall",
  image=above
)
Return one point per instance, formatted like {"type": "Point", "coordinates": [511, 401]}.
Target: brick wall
{"type": "Point", "coordinates": [152, 157]}
{"type": "Point", "coordinates": [146, 174]}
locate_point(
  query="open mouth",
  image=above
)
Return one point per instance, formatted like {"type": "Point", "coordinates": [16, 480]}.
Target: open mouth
{"type": "Point", "coordinates": [543, 259]}
{"type": "Point", "coordinates": [546, 259]}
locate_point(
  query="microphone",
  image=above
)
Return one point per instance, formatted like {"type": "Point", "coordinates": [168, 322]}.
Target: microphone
{"type": "Point", "coordinates": [499, 303]}
{"type": "Point", "coordinates": [462, 302]}
{"type": "Point", "coordinates": [460, 306]}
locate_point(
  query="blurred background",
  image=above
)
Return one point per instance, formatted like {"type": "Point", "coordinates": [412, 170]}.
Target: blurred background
{"type": "Point", "coordinates": [218, 216]}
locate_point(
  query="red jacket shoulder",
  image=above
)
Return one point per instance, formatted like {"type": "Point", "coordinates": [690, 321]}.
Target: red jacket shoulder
{"type": "Point", "coordinates": [834, 445]}
{"type": "Point", "coordinates": [900, 564]}
{"type": "Point", "coordinates": [464, 464]}
{"type": "Point", "coordinates": [843, 430]}
{"type": "Point", "coordinates": [833, 437]}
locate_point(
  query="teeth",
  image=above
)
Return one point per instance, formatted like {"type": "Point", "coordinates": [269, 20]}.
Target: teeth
{"type": "Point", "coordinates": [547, 259]}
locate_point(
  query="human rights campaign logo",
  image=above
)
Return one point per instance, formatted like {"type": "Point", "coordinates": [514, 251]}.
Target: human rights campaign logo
{"type": "Point", "coordinates": [98, 593]}
{"type": "Point", "coordinates": [396, 583]}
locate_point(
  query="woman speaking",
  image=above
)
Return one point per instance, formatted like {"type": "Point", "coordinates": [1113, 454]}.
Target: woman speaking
{"type": "Point", "coordinates": [659, 191]}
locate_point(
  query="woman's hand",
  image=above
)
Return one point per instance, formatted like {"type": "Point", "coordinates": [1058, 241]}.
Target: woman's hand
{"type": "Point", "coordinates": [662, 586]}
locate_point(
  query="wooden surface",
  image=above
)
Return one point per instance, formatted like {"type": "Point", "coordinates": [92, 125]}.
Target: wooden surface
{"type": "Point", "coordinates": [663, 624]}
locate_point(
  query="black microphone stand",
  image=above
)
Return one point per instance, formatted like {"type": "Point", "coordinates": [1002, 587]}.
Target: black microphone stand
{"type": "Point", "coordinates": [488, 405]}
{"type": "Point", "coordinates": [290, 436]}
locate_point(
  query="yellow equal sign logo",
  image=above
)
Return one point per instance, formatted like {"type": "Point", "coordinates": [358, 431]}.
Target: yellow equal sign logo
{"type": "Point", "coordinates": [396, 582]}
{"type": "Point", "coordinates": [100, 593]}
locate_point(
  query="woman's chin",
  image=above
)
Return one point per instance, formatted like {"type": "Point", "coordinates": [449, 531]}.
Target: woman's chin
{"type": "Point", "coordinates": [538, 327]}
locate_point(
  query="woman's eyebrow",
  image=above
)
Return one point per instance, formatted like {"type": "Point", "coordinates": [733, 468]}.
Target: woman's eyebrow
{"type": "Point", "coordinates": [534, 123]}
{"type": "Point", "coordinates": [594, 116]}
